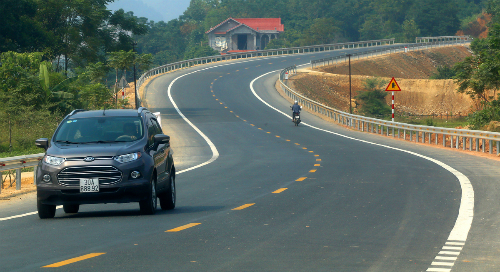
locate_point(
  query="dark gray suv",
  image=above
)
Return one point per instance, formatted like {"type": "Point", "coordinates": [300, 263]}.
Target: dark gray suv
{"type": "Point", "coordinates": [106, 156]}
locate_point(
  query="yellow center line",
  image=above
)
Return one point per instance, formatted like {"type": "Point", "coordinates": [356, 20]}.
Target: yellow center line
{"type": "Point", "coordinates": [220, 76]}
{"type": "Point", "coordinates": [183, 227]}
{"type": "Point", "coordinates": [279, 190]}
{"type": "Point", "coordinates": [243, 207]}
{"type": "Point", "coordinates": [74, 260]}
{"type": "Point", "coordinates": [237, 70]}
{"type": "Point", "coordinates": [268, 132]}
{"type": "Point", "coordinates": [225, 107]}
{"type": "Point", "coordinates": [312, 171]}
{"type": "Point", "coordinates": [277, 136]}
{"type": "Point", "coordinates": [221, 103]}
{"type": "Point", "coordinates": [230, 111]}
{"type": "Point", "coordinates": [270, 63]}
{"type": "Point", "coordinates": [318, 159]}
{"type": "Point", "coordinates": [288, 140]}
{"type": "Point", "coordinates": [216, 79]}
{"type": "Point", "coordinates": [317, 165]}
{"type": "Point", "coordinates": [257, 66]}
{"type": "Point", "coordinates": [311, 151]}
{"type": "Point", "coordinates": [228, 73]}
{"type": "Point", "coordinates": [260, 128]}
{"type": "Point", "coordinates": [301, 179]}
{"type": "Point", "coordinates": [217, 99]}
{"type": "Point", "coordinates": [316, 155]}
{"type": "Point", "coordinates": [252, 125]}
{"type": "Point", "coordinates": [304, 147]}
{"type": "Point", "coordinates": [297, 144]}
{"type": "Point", "coordinates": [244, 120]}
{"type": "Point", "coordinates": [237, 116]}
{"type": "Point", "coordinates": [246, 68]}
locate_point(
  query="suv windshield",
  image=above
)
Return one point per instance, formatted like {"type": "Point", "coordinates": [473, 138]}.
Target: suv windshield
{"type": "Point", "coordinates": [100, 130]}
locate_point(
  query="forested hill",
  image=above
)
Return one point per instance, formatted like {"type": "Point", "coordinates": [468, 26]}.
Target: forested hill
{"type": "Point", "coordinates": [310, 22]}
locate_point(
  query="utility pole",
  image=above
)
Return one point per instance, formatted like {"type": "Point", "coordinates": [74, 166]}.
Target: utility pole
{"type": "Point", "coordinates": [135, 82]}
{"type": "Point", "coordinates": [350, 95]}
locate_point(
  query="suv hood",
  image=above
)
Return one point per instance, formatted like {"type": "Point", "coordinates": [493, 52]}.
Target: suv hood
{"type": "Point", "coordinates": [97, 149]}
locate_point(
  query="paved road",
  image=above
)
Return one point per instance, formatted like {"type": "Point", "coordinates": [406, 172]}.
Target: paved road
{"type": "Point", "coordinates": [274, 197]}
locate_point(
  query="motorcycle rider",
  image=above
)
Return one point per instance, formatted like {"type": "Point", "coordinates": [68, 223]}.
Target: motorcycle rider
{"type": "Point", "coordinates": [295, 109]}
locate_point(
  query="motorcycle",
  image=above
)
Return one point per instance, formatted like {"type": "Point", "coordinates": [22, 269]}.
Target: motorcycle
{"type": "Point", "coordinates": [296, 117]}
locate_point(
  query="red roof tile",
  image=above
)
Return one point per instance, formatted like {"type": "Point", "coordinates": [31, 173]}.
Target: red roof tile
{"type": "Point", "coordinates": [262, 23]}
{"type": "Point", "coordinates": [257, 24]}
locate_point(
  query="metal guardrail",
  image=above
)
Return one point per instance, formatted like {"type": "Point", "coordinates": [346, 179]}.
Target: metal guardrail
{"type": "Point", "coordinates": [396, 49]}
{"type": "Point", "coordinates": [259, 53]}
{"type": "Point", "coordinates": [18, 163]}
{"type": "Point", "coordinates": [443, 38]}
{"type": "Point", "coordinates": [454, 138]}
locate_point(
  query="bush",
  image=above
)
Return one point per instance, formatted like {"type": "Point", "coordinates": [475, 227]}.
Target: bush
{"type": "Point", "coordinates": [372, 100]}
{"type": "Point", "coordinates": [26, 127]}
{"type": "Point", "coordinates": [443, 72]}
{"type": "Point", "coordinates": [490, 112]}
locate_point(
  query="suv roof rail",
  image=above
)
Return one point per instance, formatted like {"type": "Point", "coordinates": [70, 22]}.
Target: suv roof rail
{"type": "Point", "coordinates": [75, 111]}
{"type": "Point", "coordinates": [140, 109]}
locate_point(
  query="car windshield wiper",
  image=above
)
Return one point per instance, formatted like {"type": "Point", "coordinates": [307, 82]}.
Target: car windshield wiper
{"type": "Point", "coordinates": [66, 142]}
{"type": "Point", "coordinates": [98, 142]}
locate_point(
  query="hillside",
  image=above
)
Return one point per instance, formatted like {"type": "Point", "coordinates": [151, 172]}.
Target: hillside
{"type": "Point", "coordinates": [420, 95]}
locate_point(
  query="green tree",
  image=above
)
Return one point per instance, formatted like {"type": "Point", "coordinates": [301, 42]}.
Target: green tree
{"type": "Point", "coordinates": [372, 99]}
{"type": "Point", "coordinates": [410, 31]}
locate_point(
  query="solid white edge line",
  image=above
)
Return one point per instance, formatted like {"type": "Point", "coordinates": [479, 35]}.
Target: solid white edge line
{"type": "Point", "coordinates": [23, 215]}
{"type": "Point", "coordinates": [215, 153]}
{"type": "Point", "coordinates": [463, 223]}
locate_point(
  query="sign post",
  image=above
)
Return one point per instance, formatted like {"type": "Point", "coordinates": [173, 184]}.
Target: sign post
{"type": "Point", "coordinates": [393, 87]}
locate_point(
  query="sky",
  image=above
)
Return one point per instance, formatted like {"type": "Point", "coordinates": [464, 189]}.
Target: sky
{"type": "Point", "coordinates": [154, 10]}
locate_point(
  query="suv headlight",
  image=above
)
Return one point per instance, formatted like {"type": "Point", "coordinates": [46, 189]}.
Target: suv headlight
{"type": "Point", "coordinates": [54, 160]}
{"type": "Point", "coordinates": [127, 157]}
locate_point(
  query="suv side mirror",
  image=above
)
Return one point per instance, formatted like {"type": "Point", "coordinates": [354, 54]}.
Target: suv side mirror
{"type": "Point", "coordinates": [161, 139]}
{"type": "Point", "coordinates": [42, 143]}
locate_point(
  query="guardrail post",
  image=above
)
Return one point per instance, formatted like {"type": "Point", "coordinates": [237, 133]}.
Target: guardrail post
{"type": "Point", "coordinates": [34, 174]}
{"type": "Point", "coordinates": [458, 142]}
{"type": "Point", "coordinates": [404, 134]}
{"type": "Point", "coordinates": [18, 179]}
{"type": "Point", "coordinates": [1, 180]}
{"type": "Point", "coordinates": [491, 147]}
{"type": "Point", "coordinates": [444, 140]}
{"type": "Point", "coordinates": [484, 143]}
{"type": "Point", "coordinates": [498, 152]}
{"type": "Point", "coordinates": [416, 136]}
{"type": "Point", "coordinates": [477, 144]}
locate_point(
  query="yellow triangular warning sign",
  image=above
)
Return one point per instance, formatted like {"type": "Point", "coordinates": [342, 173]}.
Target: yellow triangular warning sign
{"type": "Point", "coordinates": [393, 86]}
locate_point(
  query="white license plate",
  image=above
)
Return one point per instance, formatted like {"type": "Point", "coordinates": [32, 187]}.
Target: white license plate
{"type": "Point", "coordinates": [89, 185]}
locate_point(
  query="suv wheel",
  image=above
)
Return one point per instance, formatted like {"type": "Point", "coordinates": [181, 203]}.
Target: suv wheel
{"type": "Point", "coordinates": [148, 206]}
{"type": "Point", "coordinates": [167, 199]}
{"type": "Point", "coordinates": [45, 211]}
{"type": "Point", "coordinates": [71, 208]}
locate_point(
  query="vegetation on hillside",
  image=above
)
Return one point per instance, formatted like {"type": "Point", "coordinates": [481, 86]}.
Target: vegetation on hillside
{"type": "Point", "coordinates": [60, 55]}
{"type": "Point", "coordinates": [308, 23]}
{"type": "Point", "coordinates": [479, 75]}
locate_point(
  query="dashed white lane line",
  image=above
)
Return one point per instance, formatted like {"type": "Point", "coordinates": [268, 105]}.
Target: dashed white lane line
{"type": "Point", "coordinates": [463, 223]}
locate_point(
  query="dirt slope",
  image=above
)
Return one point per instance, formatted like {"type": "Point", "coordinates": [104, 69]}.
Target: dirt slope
{"type": "Point", "coordinates": [330, 84]}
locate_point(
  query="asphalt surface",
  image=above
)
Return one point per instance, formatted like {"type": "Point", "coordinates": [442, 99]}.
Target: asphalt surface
{"type": "Point", "coordinates": [274, 197]}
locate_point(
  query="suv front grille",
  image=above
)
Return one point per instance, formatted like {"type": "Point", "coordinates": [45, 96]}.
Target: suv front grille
{"type": "Point", "coordinates": [107, 175]}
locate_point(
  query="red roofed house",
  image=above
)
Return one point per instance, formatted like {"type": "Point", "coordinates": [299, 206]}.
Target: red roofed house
{"type": "Point", "coordinates": [244, 34]}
